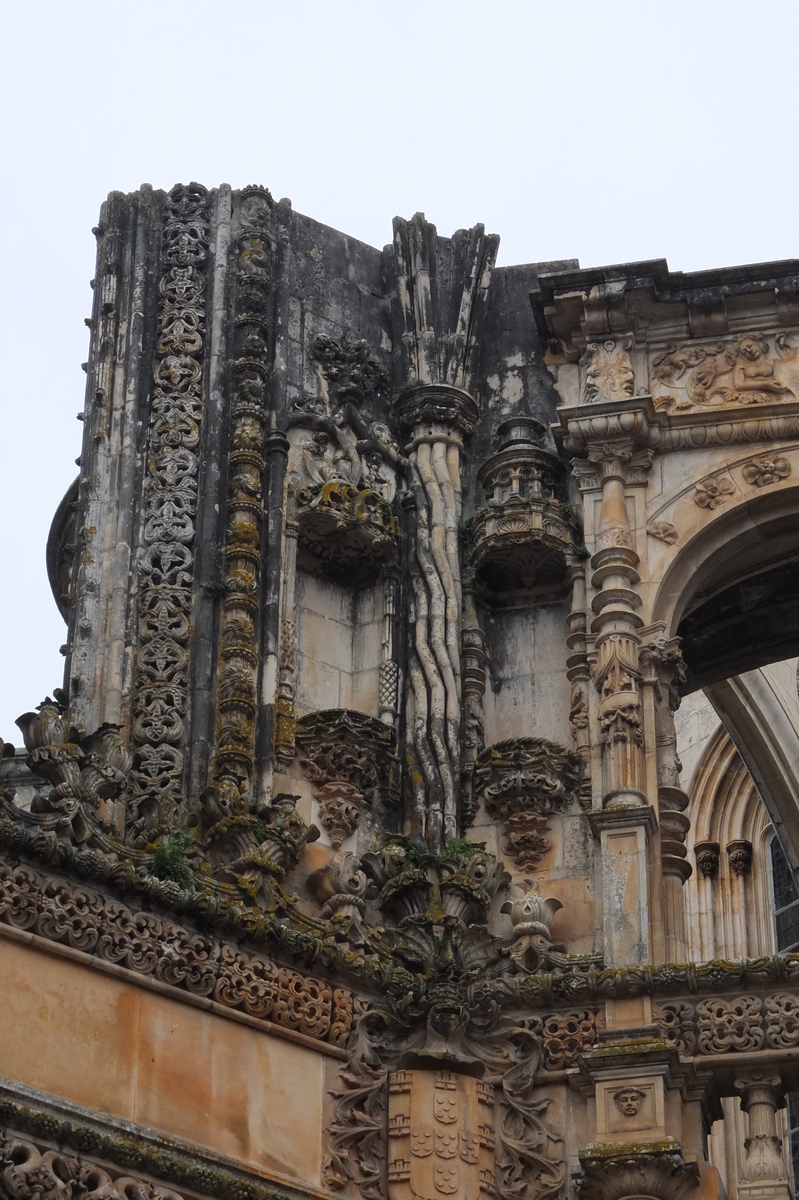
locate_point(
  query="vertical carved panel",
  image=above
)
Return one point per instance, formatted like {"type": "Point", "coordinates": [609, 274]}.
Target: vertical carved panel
{"type": "Point", "coordinates": [238, 655]}
{"type": "Point", "coordinates": [170, 500]}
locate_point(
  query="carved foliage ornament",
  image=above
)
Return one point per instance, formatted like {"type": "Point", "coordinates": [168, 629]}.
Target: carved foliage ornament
{"type": "Point", "coordinates": [609, 1176]}
{"type": "Point", "coordinates": [713, 492]}
{"type": "Point", "coordinates": [170, 498]}
{"type": "Point", "coordinates": [523, 781]}
{"type": "Point", "coordinates": [737, 1024]}
{"type": "Point", "coordinates": [608, 371]}
{"type": "Point", "coordinates": [766, 469]}
{"type": "Point", "coordinates": [351, 762]}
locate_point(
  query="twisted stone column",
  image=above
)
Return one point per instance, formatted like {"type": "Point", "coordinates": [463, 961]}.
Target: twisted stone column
{"type": "Point", "coordinates": [436, 418]}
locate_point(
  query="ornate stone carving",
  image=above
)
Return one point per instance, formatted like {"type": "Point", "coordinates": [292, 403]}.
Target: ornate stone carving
{"type": "Point", "coordinates": [519, 542]}
{"type": "Point", "coordinates": [608, 1174]}
{"type": "Point", "coordinates": [664, 531]}
{"type": "Point", "coordinates": [707, 858]}
{"type": "Point", "coordinates": [763, 1163]}
{"type": "Point", "coordinates": [356, 1142]}
{"type": "Point", "coordinates": [628, 1100]}
{"type": "Point", "coordinates": [725, 1025]}
{"type": "Point", "coordinates": [436, 419]}
{"type": "Point", "coordinates": [753, 369]}
{"type": "Point", "coordinates": [342, 888]}
{"type": "Point", "coordinates": [345, 465]}
{"type": "Point", "coordinates": [351, 761]}
{"type": "Point", "coordinates": [473, 649]}
{"type": "Point", "coordinates": [170, 501]}
{"type": "Point", "coordinates": [766, 469]}
{"type": "Point", "coordinates": [524, 780]}
{"type": "Point", "coordinates": [608, 371]}
{"type": "Point", "coordinates": [531, 916]}
{"type": "Point", "coordinates": [739, 855]}
{"type": "Point", "coordinates": [437, 1146]}
{"type": "Point", "coordinates": [29, 1171]}
{"type": "Point", "coordinates": [81, 917]}
{"type": "Point", "coordinates": [713, 492]}
{"type": "Point", "coordinates": [238, 637]}
{"type": "Point", "coordinates": [566, 1035]}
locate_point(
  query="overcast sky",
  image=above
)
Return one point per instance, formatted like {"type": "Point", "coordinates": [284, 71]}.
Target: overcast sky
{"type": "Point", "coordinates": [604, 131]}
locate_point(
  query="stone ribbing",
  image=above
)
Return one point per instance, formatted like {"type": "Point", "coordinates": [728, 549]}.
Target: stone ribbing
{"type": "Point", "coordinates": [166, 570]}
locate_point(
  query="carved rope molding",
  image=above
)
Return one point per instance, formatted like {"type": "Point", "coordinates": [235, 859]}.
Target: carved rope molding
{"type": "Point", "coordinates": [166, 570]}
{"type": "Point", "coordinates": [238, 637]}
{"type": "Point", "coordinates": [157, 948]}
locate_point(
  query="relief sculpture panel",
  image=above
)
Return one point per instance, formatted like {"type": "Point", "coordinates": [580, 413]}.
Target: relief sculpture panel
{"type": "Point", "coordinates": [440, 1127]}
{"type": "Point", "coordinates": [753, 369]}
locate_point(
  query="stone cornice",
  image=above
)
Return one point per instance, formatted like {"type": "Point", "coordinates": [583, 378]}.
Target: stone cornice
{"type": "Point", "coordinates": [125, 1149]}
{"type": "Point", "coordinates": [638, 421]}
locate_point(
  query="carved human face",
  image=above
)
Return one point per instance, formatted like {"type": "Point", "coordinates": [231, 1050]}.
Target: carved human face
{"type": "Point", "coordinates": [628, 1100]}
{"type": "Point", "coordinates": [751, 349]}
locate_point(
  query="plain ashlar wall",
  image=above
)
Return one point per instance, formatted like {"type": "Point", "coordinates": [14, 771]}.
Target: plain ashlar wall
{"type": "Point", "coordinates": [119, 1049]}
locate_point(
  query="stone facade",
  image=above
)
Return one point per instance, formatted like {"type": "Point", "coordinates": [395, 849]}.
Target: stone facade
{"type": "Point", "coordinates": [355, 856]}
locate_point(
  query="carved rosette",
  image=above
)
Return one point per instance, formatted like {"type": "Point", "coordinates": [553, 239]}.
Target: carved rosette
{"type": "Point", "coordinates": [523, 781]}
{"type": "Point", "coordinates": [518, 544]}
{"type": "Point", "coordinates": [238, 635]}
{"type": "Point", "coordinates": [351, 761]}
{"type": "Point", "coordinates": [441, 1136]}
{"type": "Point", "coordinates": [166, 568]}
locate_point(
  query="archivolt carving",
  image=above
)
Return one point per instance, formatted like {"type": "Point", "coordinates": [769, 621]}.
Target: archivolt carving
{"type": "Point", "coordinates": [170, 500]}
{"type": "Point", "coordinates": [154, 946]}
{"type": "Point", "coordinates": [524, 780]}
{"type": "Point", "coordinates": [30, 1172]}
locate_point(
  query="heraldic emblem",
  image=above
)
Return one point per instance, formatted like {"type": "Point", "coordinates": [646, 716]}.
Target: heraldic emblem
{"type": "Point", "coordinates": [441, 1136]}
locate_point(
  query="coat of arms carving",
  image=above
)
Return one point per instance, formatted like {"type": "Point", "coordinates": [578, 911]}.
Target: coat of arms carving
{"type": "Point", "coordinates": [436, 1128]}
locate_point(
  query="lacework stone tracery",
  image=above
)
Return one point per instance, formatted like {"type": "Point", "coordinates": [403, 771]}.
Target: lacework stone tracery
{"type": "Point", "coordinates": [166, 570]}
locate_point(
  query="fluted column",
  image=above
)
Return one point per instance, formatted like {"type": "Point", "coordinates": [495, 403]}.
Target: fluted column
{"type": "Point", "coordinates": [436, 418]}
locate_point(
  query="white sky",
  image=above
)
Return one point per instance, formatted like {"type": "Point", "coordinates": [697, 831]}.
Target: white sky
{"type": "Point", "coordinates": [607, 132]}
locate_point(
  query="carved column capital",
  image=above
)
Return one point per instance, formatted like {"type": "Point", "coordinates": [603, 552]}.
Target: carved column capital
{"type": "Point", "coordinates": [762, 1173]}
{"type": "Point", "coordinates": [436, 412]}
{"type": "Point", "coordinates": [739, 854]}
{"type": "Point", "coordinates": [707, 858]}
{"type": "Point", "coordinates": [610, 1175]}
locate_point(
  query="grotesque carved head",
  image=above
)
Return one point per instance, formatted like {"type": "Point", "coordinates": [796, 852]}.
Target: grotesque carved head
{"type": "Point", "coordinates": [628, 1100]}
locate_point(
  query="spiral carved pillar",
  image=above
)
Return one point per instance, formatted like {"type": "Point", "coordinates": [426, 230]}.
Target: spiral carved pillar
{"type": "Point", "coordinates": [435, 418]}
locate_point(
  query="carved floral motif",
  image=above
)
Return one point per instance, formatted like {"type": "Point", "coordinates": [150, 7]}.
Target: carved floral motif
{"type": "Point", "coordinates": [664, 531]}
{"type": "Point", "coordinates": [711, 493]}
{"type": "Point", "coordinates": [766, 469]}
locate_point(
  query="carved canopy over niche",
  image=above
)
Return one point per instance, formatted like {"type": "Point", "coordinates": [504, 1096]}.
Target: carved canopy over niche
{"type": "Point", "coordinates": [343, 464]}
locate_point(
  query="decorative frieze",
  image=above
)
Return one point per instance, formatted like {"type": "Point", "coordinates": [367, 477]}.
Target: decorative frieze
{"type": "Point", "coordinates": [153, 946]}
{"type": "Point", "coordinates": [751, 370]}
{"type": "Point", "coordinates": [735, 1024]}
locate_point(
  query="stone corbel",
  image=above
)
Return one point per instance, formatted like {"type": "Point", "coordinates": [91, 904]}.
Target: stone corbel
{"type": "Point", "coordinates": [610, 1172]}
{"type": "Point", "coordinates": [351, 762]}
{"type": "Point", "coordinates": [523, 781]}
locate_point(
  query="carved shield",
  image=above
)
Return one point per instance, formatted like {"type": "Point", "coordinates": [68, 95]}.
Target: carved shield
{"type": "Point", "coordinates": [435, 1144]}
